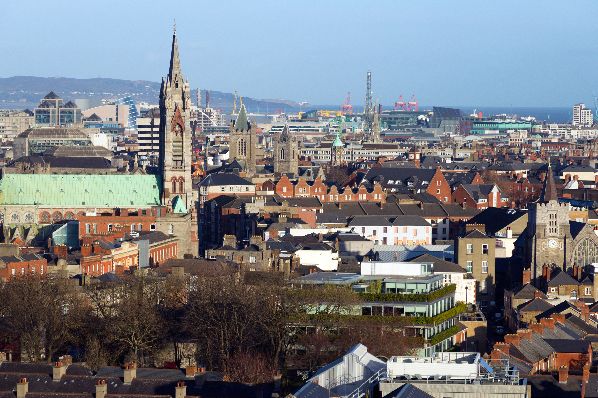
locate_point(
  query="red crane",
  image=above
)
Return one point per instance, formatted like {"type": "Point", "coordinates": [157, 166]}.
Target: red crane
{"type": "Point", "coordinates": [347, 108]}
{"type": "Point", "coordinates": [400, 104]}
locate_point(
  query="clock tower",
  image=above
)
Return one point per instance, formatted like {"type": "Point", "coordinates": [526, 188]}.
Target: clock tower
{"type": "Point", "coordinates": [548, 227]}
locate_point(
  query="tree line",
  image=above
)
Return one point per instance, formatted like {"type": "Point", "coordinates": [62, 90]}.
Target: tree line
{"type": "Point", "coordinates": [247, 331]}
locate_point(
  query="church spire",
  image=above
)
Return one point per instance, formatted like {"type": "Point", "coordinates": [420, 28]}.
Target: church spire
{"type": "Point", "coordinates": [175, 63]}
{"type": "Point", "coordinates": [242, 124]}
{"type": "Point", "coordinates": [549, 190]}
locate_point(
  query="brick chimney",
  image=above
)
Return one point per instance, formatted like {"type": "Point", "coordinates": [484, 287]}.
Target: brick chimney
{"type": "Point", "coordinates": [500, 350]}
{"type": "Point", "coordinates": [527, 276]}
{"type": "Point", "coordinates": [559, 318]}
{"type": "Point", "coordinates": [22, 387]}
{"type": "Point", "coordinates": [563, 374]}
{"type": "Point", "coordinates": [101, 388]}
{"type": "Point", "coordinates": [86, 250]}
{"type": "Point", "coordinates": [130, 372]}
{"type": "Point", "coordinates": [548, 323]}
{"type": "Point", "coordinates": [58, 370]}
{"type": "Point", "coordinates": [513, 339]}
{"type": "Point", "coordinates": [190, 371]}
{"type": "Point", "coordinates": [536, 328]}
{"type": "Point", "coordinates": [180, 390]}
{"type": "Point", "coordinates": [524, 334]}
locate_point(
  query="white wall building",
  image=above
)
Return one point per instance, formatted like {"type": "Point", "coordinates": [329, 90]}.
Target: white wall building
{"type": "Point", "coordinates": [582, 116]}
{"type": "Point", "coordinates": [398, 230]}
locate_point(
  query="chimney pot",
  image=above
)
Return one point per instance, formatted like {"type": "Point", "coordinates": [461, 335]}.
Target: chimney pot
{"type": "Point", "coordinates": [180, 390]}
{"type": "Point", "coordinates": [58, 370]}
{"type": "Point", "coordinates": [130, 372]}
{"type": "Point", "coordinates": [101, 388]}
{"type": "Point", "coordinates": [22, 387]}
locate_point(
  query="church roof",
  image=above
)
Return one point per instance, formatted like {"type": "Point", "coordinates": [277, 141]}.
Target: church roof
{"type": "Point", "coordinates": [242, 124]}
{"type": "Point", "coordinates": [76, 191]}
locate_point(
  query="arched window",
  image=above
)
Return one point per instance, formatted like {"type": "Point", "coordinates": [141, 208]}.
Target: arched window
{"type": "Point", "coordinates": [281, 153]}
{"type": "Point", "coordinates": [173, 185]}
{"type": "Point", "coordinates": [181, 185]}
{"type": "Point", "coordinates": [586, 252]}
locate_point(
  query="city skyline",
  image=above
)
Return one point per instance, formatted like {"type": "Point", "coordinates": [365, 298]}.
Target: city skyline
{"type": "Point", "coordinates": [465, 54]}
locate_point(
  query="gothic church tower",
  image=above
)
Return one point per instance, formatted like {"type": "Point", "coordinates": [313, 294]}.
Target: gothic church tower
{"type": "Point", "coordinates": [243, 142]}
{"type": "Point", "coordinates": [175, 137]}
{"type": "Point", "coordinates": [286, 153]}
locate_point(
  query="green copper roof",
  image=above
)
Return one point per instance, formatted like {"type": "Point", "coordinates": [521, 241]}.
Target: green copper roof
{"type": "Point", "coordinates": [178, 206]}
{"type": "Point", "coordinates": [242, 124]}
{"type": "Point", "coordinates": [80, 190]}
{"type": "Point", "coordinates": [337, 141]}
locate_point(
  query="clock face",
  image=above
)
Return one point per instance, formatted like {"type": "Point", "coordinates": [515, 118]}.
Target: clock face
{"type": "Point", "coordinates": [552, 243]}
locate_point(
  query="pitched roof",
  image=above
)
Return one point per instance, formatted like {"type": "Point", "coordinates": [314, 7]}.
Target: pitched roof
{"type": "Point", "coordinates": [528, 291]}
{"type": "Point", "coordinates": [476, 234]}
{"type": "Point", "coordinates": [496, 218]}
{"type": "Point", "coordinates": [562, 278]}
{"type": "Point", "coordinates": [440, 265]}
{"type": "Point", "coordinates": [217, 179]}
{"type": "Point", "coordinates": [536, 305]}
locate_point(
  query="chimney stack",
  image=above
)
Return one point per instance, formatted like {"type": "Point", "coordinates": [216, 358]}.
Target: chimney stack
{"type": "Point", "coordinates": [563, 374]}
{"type": "Point", "coordinates": [190, 371]}
{"type": "Point", "coordinates": [527, 276]}
{"type": "Point", "coordinates": [101, 388]}
{"type": "Point", "coordinates": [180, 390]}
{"type": "Point", "coordinates": [58, 370]}
{"type": "Point", "coordinates": [130, 372]}
{"type": "Point", "coordinates": [22, 387]}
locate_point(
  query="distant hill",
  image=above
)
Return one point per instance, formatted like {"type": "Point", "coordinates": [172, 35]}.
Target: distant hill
{"type": "Point", "coordinates": [22, 92]}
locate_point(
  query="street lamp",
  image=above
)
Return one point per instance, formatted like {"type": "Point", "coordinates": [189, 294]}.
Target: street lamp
{"type": "Point", "coordinates": [466, 288]}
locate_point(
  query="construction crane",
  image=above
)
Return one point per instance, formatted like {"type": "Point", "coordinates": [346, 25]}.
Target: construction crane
{"type": "Point", "coordinates": [412, 105]}
{"type": "Point", "coordinates": [347, 108]}
{"type": "Point", "coordinates": [400, 104]}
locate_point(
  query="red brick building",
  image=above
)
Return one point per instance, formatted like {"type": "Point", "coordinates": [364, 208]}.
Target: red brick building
{"type": "Point", "coordinates": [479, 196]}
{"type": "Point", "coordinates": [22, 264]}
{"type": "Point", "coordinates": [301, 188]}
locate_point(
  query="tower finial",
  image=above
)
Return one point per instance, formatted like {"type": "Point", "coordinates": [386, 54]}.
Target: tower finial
{"type": "Point", "coordinates": [174, 27]}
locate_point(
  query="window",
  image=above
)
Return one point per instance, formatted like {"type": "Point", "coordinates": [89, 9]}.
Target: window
{"type": "Point", "coordinates": [385, 230]}
{"type": "Point", "coordinates": [470, 266]}
{"type": "Point", "coordinates": [252, 259]}
{"type": "Point", "coordinates": [587, 291]}
{"type": "Point", "coordinates": [438, 191]}
{"type": "Point", "coordinates": [152, 227]}
{"type": "Point", "coordinates": [484, 267]}
{"type": "Point", "coordinates": [470, 248]}
{"type": "Point", "coordinates": [553, 290]}
{"type": "Point", "coordinates": [484, 249]}
{"type": "Point", "coordinates": [109, 227]}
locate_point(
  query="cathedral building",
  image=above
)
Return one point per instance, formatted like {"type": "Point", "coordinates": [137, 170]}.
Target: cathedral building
{"type": "Point", "coordinates": [286, 153]}
{"type": "Point", "coordinates": [243, 142]}
{"type": "Point", "coordinates": [179, 213]}
{"type": "Point", "coordinates": [31, 202]}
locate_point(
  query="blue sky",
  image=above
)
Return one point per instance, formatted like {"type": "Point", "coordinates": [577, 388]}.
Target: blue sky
{"type": "Point", "coordinates": [478, 53]}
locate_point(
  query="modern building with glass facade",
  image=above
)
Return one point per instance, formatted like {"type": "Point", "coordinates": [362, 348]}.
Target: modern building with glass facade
{"type": "Point", "coordinates": [401, 294]}
{"type": "Point", "coordinates": [481, 127]}
{"type": "Point", "coordinates": [52, 111]}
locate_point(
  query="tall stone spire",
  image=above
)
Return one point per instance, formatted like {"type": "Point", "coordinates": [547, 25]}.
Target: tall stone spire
{"type": "Point", "coordinates": [175, 62]}
{"type": "Point", "coordinates": [549, 190]}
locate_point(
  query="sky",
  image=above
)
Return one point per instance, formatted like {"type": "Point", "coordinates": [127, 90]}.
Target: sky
{"type": "Point", "coordinates": [457, 52]}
